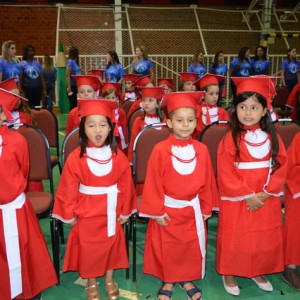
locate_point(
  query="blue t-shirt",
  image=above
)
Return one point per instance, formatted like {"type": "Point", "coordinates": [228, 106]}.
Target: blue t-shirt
{"type": "Point", "coordinates": [114, 73]}
{"type": "Point", "coordinates": [142, 67]}
{"type": "Point", "coordinates": [9, 70]}
{"type": "Point", "coordinates": [260, 67]}
{"type": "Point", "coordinates": [31, 71]}
{"type": "Point", "coordinates": [199, 69]}
{"type": "Point", "coordinates": [291, 68]}
{"type": "Point", "coordinates": [50, 76]}
{"type": "Point", "coordinates": [219, 70]}
{"type": "Point", "coordinates": [242, 69]}
{"type": "Point", "coordinates": [75, 70]}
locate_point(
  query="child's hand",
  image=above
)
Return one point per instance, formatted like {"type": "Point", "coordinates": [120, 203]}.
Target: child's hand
{"type": "Point", "coordinates": [263, 196]}
{"type": "Point", "coordinates": [122, 220]}
{"type": "Point", "coordinates": [254, 202]}
{"type": "Point", "coordinates": [73, 223]}
{"type": "Point", "coordinates": [163, 220]}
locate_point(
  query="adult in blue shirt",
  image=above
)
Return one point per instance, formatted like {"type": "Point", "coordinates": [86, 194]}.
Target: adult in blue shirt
{"type": "Point", "coordinates": [114, 71]}
{"type": "Point", "coordinates": [141, 65]}
{"type": "Point", "coordinates": [218, 67]}
{"type": "Point", "coordinates": [240, 67]}
{"type": "Point", "coordinates": [260, 64]}
{"type": "Point", "coordinates": [32, 83]}
{"type": "Point", "coordinates": [290, 68]}
{"type": "Point", "coordinates": [8, 63]}
{"type": "Point", "coordinates": [73, 68]}
{"type": "Point", "coordinates": [197, 65]}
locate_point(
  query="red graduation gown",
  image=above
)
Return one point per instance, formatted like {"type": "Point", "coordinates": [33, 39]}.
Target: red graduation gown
{"type": "Point", "coordinates": [37, 269]}
{"type": "Point", "coordinates": [89, 249]}
{"type": "Point", "coordinates": [203, 121]}
{"type": "Point", "coordinates": [172, 252]}
{"type": "Point", "coordinates": [292, 205]}
{"type": "Point", "coordinates": [249, 243]}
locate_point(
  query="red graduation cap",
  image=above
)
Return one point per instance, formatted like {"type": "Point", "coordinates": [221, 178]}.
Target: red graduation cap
{"type": "Point", "coordinates": [181, 99]}
{"type": "Point", "coordinates": [10, 99]}
{"type": "Point", "coordinates": [209, 79]}
{"type": "Point", "coordinates": [90, 80]}
{"type": "Point", "coordinates": [131, 77]}
{"type": "Point", "coordinates": [116, 86]}
{"type": "Point", "coordinates": [263, 85]}
{"type": "Point", "coordinates": [154, 92]}
{"type": "Point", "coordinates": [188, 76]}
{"type": "Point", "coordinates": [97, 72]}
{"type": "Point", "coordinates": [6, 111]}
{"type": "Point", "coordinates": [103, 107]}
{"type": "Point", "coordinates": [142, 81]}
{"type": "Point", "coordinates": [9, 84]}
{"type": "Point", "coordinates": [167, 81]}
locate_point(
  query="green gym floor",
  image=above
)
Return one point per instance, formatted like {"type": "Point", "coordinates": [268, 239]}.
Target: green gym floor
{"type": "Point", "coordinates": [72, 286]}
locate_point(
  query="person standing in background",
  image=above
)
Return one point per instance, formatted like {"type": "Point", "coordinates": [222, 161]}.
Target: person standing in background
{"type": "Point", "coordinates": [197, 65]}
{"type": "Point", "coordinates": [50, 78]}
{"type": "Point", "coordinates": [260, 63]}
{"type": "Point", "coordinates": [9, 63]}
{"type": "Point", "coordinates": [32, 83]}
{"type": "Point", "coordinates": [73, 68]}
{"type": "Point", "coordinates": [114, 71]}
{"type": "Point", "coordinates": [290, 70]}
{"type": "Point", "coordinates": [141, 64]}
{"type": "Point", "coordinates": [218, 67]}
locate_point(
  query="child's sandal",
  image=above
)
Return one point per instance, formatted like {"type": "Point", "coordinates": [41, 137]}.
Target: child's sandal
{"type": "Point", "coordinates": [92, 292]}
{"type": "Point", "coordinates": [112, 290]}
{"type": "Point", "coordinates": [191, 292]}
{"type": "Point", "coordinates": [167, 293]}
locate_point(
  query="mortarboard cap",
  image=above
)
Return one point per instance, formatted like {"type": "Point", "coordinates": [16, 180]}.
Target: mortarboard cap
{"type": "Point", "coordinates": [154, 92]}
{"type": "Point", "coordinates": [181, 99]}
{"type": "Point", "coordinates": [188, 76]}
{"type": "Point", "coordinates": [9, 84]}
{"type": "Point", "coordinates": [167, 81]}
{"type": "Point", "coordinates": [90, 80]}
{"type": "Point", "coordinates": [208, 79]}
{"type": "Point", "coordinates": [263, 85]}
{"type": "Point", "coordinates": [103, 107]}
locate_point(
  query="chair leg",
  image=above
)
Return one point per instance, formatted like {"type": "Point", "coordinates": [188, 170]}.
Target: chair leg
{"type": "Point", "coordinates": [55, 246]}
{"type": "Point", "coordinates": [126, 227]}
{"type": "Point", "coordinates": [61, 231]}
{"type": "Point", "coordinates": [134, 248]}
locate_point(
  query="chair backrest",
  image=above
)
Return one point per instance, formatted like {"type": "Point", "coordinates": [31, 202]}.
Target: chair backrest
{"type": "Point", "coordinates": [137, 113]}
{"type": "Point", "coordinates": [281, 97]}
{"type": "Point", "coordinates": [47, 122]}
{"type": "Point", "coordinates": [70, 143]}
{"type": "Point", "coordinates": [287, 129]}
{"type": "Point", "coordinates": [211, 137]}
{"type": "Point", "coordinates": [39, 154]}
{"type": "Point", "coordinates": [143, 146]}
{"type": "Point", "coordinates": [126, 105]}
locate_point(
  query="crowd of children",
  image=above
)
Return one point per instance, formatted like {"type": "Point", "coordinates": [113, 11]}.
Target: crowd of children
{"type": "Point", "coordinates": [96, 194]}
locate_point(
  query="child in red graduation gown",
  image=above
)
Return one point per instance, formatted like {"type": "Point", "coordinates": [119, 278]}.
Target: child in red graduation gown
{"type": "Point", "coordinates": [177, 197]}
{"type": "Point", "coordinates": [209, 111]}
{"type": "Point", "coordinates": [186, 81]}
{"type": "Point", "coordinates": [88, 87]}
{"type": "Point", "coordinates": [252, 164]}
{"type": "Point", "coordinates": [151, 97]}
{"type": "Point", "coordinates": [129, 93]}
{"type": "Point", "coordinates": [167, 84]}
{"type": "Point", "coordinates": [25, 264]}
{"type": "Point", "coordinates": [292, 219]}
{"type": "Point", "coordinates": [96, 194]}
{"type": "Point", "coordinates": [111, 91]}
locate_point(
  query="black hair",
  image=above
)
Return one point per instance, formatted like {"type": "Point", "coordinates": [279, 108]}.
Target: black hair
{"type": "Point", "coordinates": [74, 54]}
{"type": "Point", "coordinates": [83, 139]}
{"type": "Point", "coordinates": [216, 58]}
{"type": "Point", "coordinates": [114, 57]}
{"type": "Point", "coordinates": [265, 122]}
{"type": "Point", "coordinates": [265, 53]}
{"type": "Point", "coordinates": [26, 50]}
